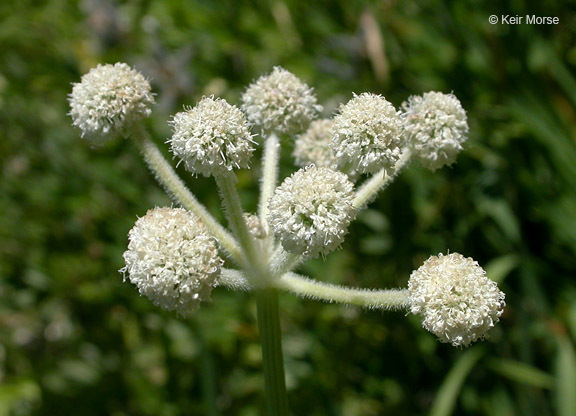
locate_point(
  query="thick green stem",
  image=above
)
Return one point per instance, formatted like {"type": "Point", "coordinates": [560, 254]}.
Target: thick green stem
{"type": "Point", "coordinates": [273, 361]}
{"type": "Point", "coordinates": [174, 186]}
{"type": "Point", "coordinates": [372, 299]}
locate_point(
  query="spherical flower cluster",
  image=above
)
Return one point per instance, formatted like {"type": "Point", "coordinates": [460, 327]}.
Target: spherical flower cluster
{"type": "Point", "coordinates": [458, 302]}
{"type": "Point", "coordinates": [108, 100]}
{"type": "Point", "coordinates": [280, 102]}
{"type": "Point", "coordinates": [435, 126]}
{"type": "Point", "coordinates": [313, 146]}
{"type": "Point", "coordinates": [212, 137]}
{"type": "Point", "coordinates": [367, 135]}
{"type": "Point", "coordinates": [172, 259]}
{"type": "Point", "coordinates": [311, 210]}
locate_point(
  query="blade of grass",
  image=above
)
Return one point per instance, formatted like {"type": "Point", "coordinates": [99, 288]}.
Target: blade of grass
{"type": "Point", "coordinates": [500, 267]}
{"type": "Point", "coordinates": [450, 389]}
{"type": "Point", "coordinates": [522, 373]}
{"type": "Point", "coordinates": [565, 377]}
{"type": "Point", "coordinates": [549, 129]}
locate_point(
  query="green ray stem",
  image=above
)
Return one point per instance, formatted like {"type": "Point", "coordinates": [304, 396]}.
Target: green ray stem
{"type": "Point", "coordinates": [176, 189]}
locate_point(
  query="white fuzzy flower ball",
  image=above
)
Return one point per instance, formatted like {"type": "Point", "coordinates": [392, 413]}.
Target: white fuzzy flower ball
{"type": "Point", "coordinates": [280, 102]}
{"type": "Point", "coordinates": [313, 146]}
{"type": "Point", "coordinates": [458, 302]}
{"type": "Point", "coordinates": [172, 259]}
{"type": "Point", "coordinates": [311, 210]}
{"type": "Point", "coordinates": [108, 100]}
{"type": "Point", "coordinates": [212, 137]}
{"type": "Point", "coordinates": [435, 126]}
{"type": "Point", "coordinates": [367, 135]}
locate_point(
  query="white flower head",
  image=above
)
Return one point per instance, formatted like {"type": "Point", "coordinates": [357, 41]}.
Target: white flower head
{"type": "Point", "coordinates": [367, 135]}
{"type": "Point", "coordinates": [280, 102]}
{"type": "Point", "coordinates": [458, 302]}
{"type": "Point", "coordinates": [172, 259]}
{"type": "Point", "coordinates": [313, 146]}
{"type": "Point", "coordinates": [109, 100]}
{"type": "Point", "coordinates": [311, 210]}
{"type": "Point", "coordinates": [435, 126]}
{"type": "Point", "coordinates": [212, 137]}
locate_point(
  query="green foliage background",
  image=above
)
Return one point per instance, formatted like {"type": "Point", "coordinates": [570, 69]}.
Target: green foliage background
{"type": "Point", "coordinates": [75, 339]}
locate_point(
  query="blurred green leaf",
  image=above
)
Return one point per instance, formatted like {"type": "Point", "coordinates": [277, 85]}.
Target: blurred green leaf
{"type": "Point", "coordinates": [522, 373]}
{"type": "Point", "coordinates": [18, 393]}
{"type": "Point", "coordinates": [565, 377]}
{"type": "Point", "coordinates": [499, 210]}
{"type": "Point", "coordinates": [498, 268]}
{"type": "Point", "coordinates": [374, 219]}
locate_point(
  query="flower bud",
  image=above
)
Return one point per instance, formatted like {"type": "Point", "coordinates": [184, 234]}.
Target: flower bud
{"type": "Point", "coordinates": [458, 302]}
{"type": "Point", "coordinates": [367, 135]}
{"type": "Point", "coordinates": [254, 226]}
{"type": "Point", "coordinates": [435, 126]}
{"type": "Point", "coordinates": [109, 100]}
{"type": "Point", "coordinates": [311, 210]}
{"type": "Point", "coordinates": [280, 102]}
{"type": "Point", "coordinates": [313, 146]}
{"type": "Point", "coordinates": [172, 259]}
{"type": "Point", "coordinates": [212, 137]}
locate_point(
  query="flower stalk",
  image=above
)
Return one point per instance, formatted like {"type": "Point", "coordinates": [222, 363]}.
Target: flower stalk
{"type": "Point", "coordinates": [175, 187]}
{"type": "Point", "coordinates": [379, 181]}
{"type": "Point", "coordinates": [269, 176]}
{"type": "Point", "coordinates": [367, 298]}
{"type": "Point", "coordinates": [272, 357]}
{"type": "Point", "coordinates": [233, 208]}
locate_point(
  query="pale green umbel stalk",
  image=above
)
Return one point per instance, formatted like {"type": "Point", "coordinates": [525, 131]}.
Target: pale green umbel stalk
{"type": "Point", "coordinates": [277, 103]}
{"type": "Point", "coordinates": [172, 255]}
{"type": "Point", "coordinates": [269, 177]}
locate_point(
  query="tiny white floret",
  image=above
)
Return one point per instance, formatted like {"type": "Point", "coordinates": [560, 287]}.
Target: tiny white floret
{"type": "Point", "coordinates": [367, 135]}
{"type": "Point", "coordinates": [311, 210]}
{"type": "Point", "coordinates": [109, 100]}
{"type": "Point", "coordinates": [212, 138]}
{"type": "Point", "coordinates": [458, 302]}
{"type": "Point", "coordinates": [435, 125]}
{"type": "Point", "coordinates": [280, 102]}
{"type": "Point", "coordinates": [254, 226]}
{"type": "Point", "coordinates": [172, 259]}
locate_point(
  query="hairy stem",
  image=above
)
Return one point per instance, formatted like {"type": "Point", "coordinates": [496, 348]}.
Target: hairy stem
{"type": "Point", "coordinates": [233, 208]}
{"type": "Point", "coordinates": [234, 280]}
{"type": "Point", "coordinates": [283, 262]}
{"type": "Point", "coordinates": [270, 339]}
{"type": "Point", "coordinates": [175, 187]}
{"type": "Point", "coordinates": [269, 176]}
{"type": "Point", "coordinates": [378, 182]}
{"type": "Point", "coordinates": [367, 298]}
